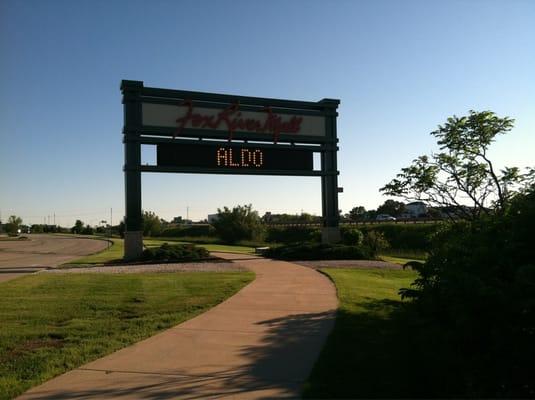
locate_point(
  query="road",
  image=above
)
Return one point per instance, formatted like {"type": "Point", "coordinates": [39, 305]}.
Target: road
{"type": "Point", "coordinates": [42, 251]}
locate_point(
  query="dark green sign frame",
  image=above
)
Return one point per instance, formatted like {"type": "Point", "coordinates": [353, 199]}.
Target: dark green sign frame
{"type": "Point", "coordinates": [292, 125]}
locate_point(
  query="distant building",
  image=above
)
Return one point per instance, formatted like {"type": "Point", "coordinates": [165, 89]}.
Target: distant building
{"type": "Point", "coordinates": [212, 218]}
{"type": "Point", "coordinates": [415, 209]}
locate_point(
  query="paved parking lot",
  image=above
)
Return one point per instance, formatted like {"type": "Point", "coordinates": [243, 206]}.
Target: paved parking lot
{"type": "Point", "coordinates": [42, 251]}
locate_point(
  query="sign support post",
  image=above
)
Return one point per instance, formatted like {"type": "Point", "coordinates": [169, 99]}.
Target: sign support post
{"type": "Point", "coordinates": [133, 236]}
{"type": "Point", "coordinates": [246, 135]}
{"type": "Point", "coordinates": [330, 232]}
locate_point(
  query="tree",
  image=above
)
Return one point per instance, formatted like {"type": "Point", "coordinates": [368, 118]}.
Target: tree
{"type": "Point", "coordinates": [152, 225]}
{"type": "Point", "coordinates": [391, 207]}
{"type": "Point", "coordinates": [477, 285]}
{"type": "Point", "coordinates": [357, 213]}
{"type": "Point", "coordinates": [36, 228]}
{"type": "Point", "coordinates": [78, 227]}
{"type": "Point", "coordinates": [13, 224]}
{"type": "Point", "coordinates": [88, 230]}
{"type": "Point", "coordinates": [462, 175]}
{"type": "Point", "coordinates": [240, 223]}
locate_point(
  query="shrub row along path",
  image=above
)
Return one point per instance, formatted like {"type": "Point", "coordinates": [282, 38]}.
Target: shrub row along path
{"type": "Point", "coordinates": [260, 343]}
{"type": "Point", "coordinates": [39, 252]}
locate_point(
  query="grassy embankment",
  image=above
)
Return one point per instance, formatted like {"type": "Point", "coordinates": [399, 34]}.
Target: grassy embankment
{"type": "Point", "coordinates": [116, 251]}
{"type": "Point", "coordinates": [378, 347]}
{"type": "Point", "coordinates": [401, 256]}
{"type": "Point", "coordinates": [52, 323]}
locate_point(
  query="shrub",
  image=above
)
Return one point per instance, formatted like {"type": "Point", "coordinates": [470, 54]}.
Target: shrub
{"type": "Point", "coordinates": [240, 223]}
{"type": "Point", "coordinates": [189, 230]}
{"type": "Point", "coordinates": [312, 251]}
{"type": "Point", "coordinates": [478, 287]}
{"type": "Point", "coordinates": [406, 236]}
{"type": "Point", "coordinates": [88, 230]}
{"type": "Point", "coordinates": [352, 237]}
{"type": "Point", "coordinates": [375, 242]}
{"type": "Point", "coordinates": [179, 252]}
{"type": "Point", "coordinates": [292, 234]}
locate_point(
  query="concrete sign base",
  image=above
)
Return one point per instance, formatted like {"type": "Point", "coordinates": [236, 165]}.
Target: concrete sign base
{"type": "Point", "coordinates": [133, 244]}
{"type": "Point", "coordinates": [330, 234]}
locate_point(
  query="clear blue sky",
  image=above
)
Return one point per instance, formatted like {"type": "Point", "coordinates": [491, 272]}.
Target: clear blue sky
{"type": "Point", "coordinates": [400, 68]}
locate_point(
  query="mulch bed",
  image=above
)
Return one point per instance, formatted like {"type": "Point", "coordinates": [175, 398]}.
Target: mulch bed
{"type": "Point", "coordinates": [142, 268]}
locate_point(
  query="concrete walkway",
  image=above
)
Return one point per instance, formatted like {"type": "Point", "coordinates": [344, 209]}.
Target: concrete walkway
{"type": "Point", "coordinates": [260, 343]}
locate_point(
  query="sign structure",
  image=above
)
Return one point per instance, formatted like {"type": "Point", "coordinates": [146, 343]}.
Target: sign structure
{"type": "Point", "coordinates": [197, 132]}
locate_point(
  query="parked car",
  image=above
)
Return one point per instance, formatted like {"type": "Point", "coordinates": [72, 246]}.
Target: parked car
{"type": "Point", "coordinates": [385, 217]}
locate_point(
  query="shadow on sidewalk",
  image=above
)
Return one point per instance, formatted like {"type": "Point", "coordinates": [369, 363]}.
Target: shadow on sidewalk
{"type": "Point", "coordinates": [276, 368]}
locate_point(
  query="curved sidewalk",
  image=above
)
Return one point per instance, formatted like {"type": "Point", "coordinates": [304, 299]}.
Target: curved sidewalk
{"type": "Point", "coordinates": [260, 343]}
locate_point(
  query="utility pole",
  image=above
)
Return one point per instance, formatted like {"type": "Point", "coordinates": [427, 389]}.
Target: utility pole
{"type": "Point", "coordinates": [187, 213]}
{"type": "Point", "coordinates": [54, 219]}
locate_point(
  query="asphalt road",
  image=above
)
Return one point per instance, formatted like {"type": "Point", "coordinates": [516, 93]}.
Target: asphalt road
{"type": "Point", "coordinates": [42, 251]}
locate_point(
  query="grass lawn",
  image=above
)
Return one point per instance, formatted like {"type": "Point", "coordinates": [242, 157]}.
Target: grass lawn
{"type": "Point", "coordinates": [399, 260]}
{"type": "Point", "coordinates": [154, 242]}
{"type": "Point", "coordinates": [112, 253]}
{"type": "Point", "coordinates": [400, 256]}
{"type": "Point", "coordinates": [51, 323]}
{"type": "Point", "coordinates": [376, 349]}
{"type": "Point", "coordinates": [116, 251]}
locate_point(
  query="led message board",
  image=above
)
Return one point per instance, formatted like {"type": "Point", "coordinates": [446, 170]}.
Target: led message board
{"type": "Point", "coordinates": [231, 158]}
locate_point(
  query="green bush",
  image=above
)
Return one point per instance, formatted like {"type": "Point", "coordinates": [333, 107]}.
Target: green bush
{"type": "Point", "coordinates": [312, 251]}
{"type": "Point", "coordinates": [352, 237]}
{"type": "Point", "coordinates": [240, 223]}
{"type": "Point", "coordinates": [405, 236]}
{"type": "Point", "coordinates": [88, 230]}
{"type": "Point", "coordinates": [399, 236]}
{"type": "Point", "coordinates": [178, 252]}
{"type": "Point", "coordinates": [292, 234]}
{"type": "Point", "coordinates": [478, 288]}
{"type": "Point", "coordinates": [189, 230]}
{"type": "Point", "coordinates": [376, 242]}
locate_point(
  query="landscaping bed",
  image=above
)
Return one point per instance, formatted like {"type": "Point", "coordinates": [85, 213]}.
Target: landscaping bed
{"type": "Point", "coordinates": [218, 266]}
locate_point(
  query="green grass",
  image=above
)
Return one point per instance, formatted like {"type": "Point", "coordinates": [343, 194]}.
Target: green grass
{"type": "Point", "coordinates": [154, 242]}
{"type": "Point", "coordinates": [113, 253]}
{"type": "Point", "coordinates": [116, 251]}
{"type": "Point", "coordinates": [380, 348]}
{"type": "Point", "coordinates": [364, 355]}
{"type": "Point", "coordinates": [51, 323]}
{"type": "Point", "coordinates": [402, 256]}
{"type": "Point", "coordinates": [399, 260]}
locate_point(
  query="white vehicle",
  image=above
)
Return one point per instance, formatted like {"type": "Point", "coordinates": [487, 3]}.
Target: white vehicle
{"type": "Point", "coordinates": [385, 217]}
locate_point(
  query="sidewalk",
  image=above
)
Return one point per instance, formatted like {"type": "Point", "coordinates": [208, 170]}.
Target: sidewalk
{"type": "Point", "coordinates": [260, 343]}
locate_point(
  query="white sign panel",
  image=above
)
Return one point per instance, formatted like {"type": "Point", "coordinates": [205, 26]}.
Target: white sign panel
{"type": "Point", "coordinates": [231, 119]}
